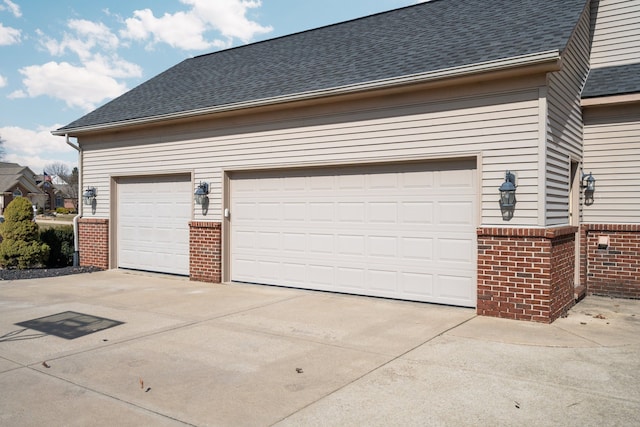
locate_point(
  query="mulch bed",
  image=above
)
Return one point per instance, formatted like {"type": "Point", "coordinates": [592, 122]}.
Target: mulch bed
{"type": "Point", "coordinates": [39, 273]}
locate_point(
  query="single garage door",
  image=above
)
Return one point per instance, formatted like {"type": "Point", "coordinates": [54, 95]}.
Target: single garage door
{"type": "Point", "coordinates": [398, 231]}
{"type": "Point", "coordinates": [153, 223]}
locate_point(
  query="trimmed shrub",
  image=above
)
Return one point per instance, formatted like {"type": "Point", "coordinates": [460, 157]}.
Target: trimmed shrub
{"type": "Point", "coordinates": [21, 246]}
{"type": "Point", "coordinates": [60, 240]}
{"type": "Point", "coordinates": [63, 211]}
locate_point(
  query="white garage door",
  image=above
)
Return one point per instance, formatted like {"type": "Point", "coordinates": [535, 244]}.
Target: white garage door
{"type": "Point", "coordinates": [396, 231]}
{"type": "Point", "coordinates": [153, 223]}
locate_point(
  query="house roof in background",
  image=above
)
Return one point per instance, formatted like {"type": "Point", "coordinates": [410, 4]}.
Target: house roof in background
{"type": "Point", "coordinates": [609, 81]}
{"type": "Point", "coordinates": [12, 174]}
{"type": "Point", "coordinates": [419, 39]}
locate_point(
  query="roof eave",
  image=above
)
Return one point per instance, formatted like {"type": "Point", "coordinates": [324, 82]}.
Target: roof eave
{"type": "Point", "coordinates": [551, 57]}
{"type": "Point", "coordinates": [610, 99]}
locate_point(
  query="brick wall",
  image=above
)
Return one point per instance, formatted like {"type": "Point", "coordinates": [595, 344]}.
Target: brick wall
{"type": "Point", "coordinates": [205, 260]}
{"type": "Point", "coordinates": [526, 273]}
{"type": "Point", "coordinates": [93, 235]}
{"type": "Point", "coordinates": [612, 271]}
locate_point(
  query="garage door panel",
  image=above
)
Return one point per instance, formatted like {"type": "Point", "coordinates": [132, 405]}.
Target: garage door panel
{"type": "Point", "coordinates": [153, 223]}
{"type": "Point", "coordinates": [321, 275]}
{"type": "Point", "coordinates": [393, 231]}
{"type": "Point", "coordinates": [455, 250]}
{"type": "Point", "coordinates": [382, 246]}
{"type": "Point", "coordinates": [416, 285]}
{"type": "Point", "coordinates": [455, 213]}
{"type": "Point", "coordinates": [418, 248]}
{"type": "Point", "coordinates": [416, 213]}
{"type": "Point", "coordinates": [294, 272]}
{"type": "Point", "coordinates": [351, 245]}
{"type": "Point", "coordinates": [453, 287]}
{"type": "Point", "coordinates": [350, 279]}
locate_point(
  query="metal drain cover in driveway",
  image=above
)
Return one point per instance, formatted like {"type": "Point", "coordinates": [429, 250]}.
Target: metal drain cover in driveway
{"type": "Point", "coordinates": [69, 324]}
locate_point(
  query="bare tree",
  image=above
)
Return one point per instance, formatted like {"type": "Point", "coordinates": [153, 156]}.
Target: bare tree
{"type": "Point", "coordinates": [73, 190]}
{"type": "Point", "coordinates": [61, 170]}
{"type": "Point", "coordinates": [1, 148]}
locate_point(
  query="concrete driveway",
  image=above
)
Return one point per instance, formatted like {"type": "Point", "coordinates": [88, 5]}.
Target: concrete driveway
{"type": "Point", "coordinates": [199, 354]}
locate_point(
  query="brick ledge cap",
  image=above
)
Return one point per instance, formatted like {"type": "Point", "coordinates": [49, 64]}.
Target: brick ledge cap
{"type": "Point", "coordinates": [611, 227]}
{"type": "Point", "coordinates": [93, 220]}
{"type": "Point", "coordinates": [548, 233]}
{"type": "Point", "coordinates": [205, 224]}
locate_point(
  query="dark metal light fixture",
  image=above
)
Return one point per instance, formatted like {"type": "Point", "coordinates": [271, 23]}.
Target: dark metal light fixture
{"type": "Point", "coordinates": [508, 191]}
{"type": "Point", "coordinates": [89, 196]}
{"type": "Point", "coordinates": [201, 193]}
{"type": "Point", "coordinates": [508, 196]}
{"type": "Point", "coordinates": [589, 187]}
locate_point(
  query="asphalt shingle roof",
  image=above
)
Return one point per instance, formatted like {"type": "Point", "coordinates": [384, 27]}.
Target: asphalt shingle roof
{"type": "Point", "coordinates": [616, 80]}
{"type": "Point", "coordinates": [426, 37]}
{"type": "Point", "coordinates": [12, 173]}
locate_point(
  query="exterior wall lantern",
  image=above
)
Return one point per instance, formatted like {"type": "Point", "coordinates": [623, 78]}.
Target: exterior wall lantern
{"type": "Point", "coordinates": [508, 196]}
{"type": "Point", "coordinates": [201, 194]}
{"type": "Point", "coordinates": [589, 187]}
{"type": "Point", "coordinates": [89, 196]}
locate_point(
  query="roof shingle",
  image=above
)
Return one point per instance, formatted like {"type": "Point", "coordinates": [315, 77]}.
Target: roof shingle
{"type": "Point", "coordinates": [616, 80]}
{"type": "Point", "coordinates": [426, 37]}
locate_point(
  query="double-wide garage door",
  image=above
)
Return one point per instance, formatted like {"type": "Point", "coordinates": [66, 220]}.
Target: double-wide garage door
{"type": "Point", "coordinates": [153, 223]}
{"type": "Point", "coordinates": [399, 231]}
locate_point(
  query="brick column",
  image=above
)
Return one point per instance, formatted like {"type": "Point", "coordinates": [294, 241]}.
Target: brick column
{"type": "Point", "coordinates": [205, 255]}
{"type": "Point", "coordinates": [93, 236]}
{"type": "Point", "coordinates": [526, 273]}
{"type": "Point", "coordinates": [612, 270]}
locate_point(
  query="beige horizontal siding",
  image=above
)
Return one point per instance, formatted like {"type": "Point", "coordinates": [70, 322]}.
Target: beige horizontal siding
{"type": "Point", "coordinates": [502, 129]}
{"type": "Point", "coordinates": [564, 133]}
{"type": "Point", "coordinates": [612, 154]}
{"type": "Point", "coordinates": [616, 38]}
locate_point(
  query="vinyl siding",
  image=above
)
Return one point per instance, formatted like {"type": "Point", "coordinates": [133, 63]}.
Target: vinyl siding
{"type": "Point", "coordinates": [616, 36]}
{"type": "Point", "coordinates": [612, 154]}
{"type": "Point", "coordinates": [502, 129]}
{"type": "Point", "coordinates": [564, 138]}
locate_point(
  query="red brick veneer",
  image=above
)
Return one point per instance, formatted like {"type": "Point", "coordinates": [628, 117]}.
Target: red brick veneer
{"type": "Point", "coordinates": [526, 273]}
{"type": "Point", "coordinates": [93, 240]}
{"type": "Point", "coordinates": [613, 271]}
{"type": "Point", "coordinates": [205, 260]}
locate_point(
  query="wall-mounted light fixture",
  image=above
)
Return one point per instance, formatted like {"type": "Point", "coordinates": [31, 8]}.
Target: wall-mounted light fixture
{"type": "Point", "coordinates": [89, 196]}
{"type": "Point", "coordinates": [508, 196]}
{"type": "Point", "coordinates": [589, 186]}
{"type": "Point", "coordinates": [201, 194]}
{"type": "Point", "coordinates": [508, 191]}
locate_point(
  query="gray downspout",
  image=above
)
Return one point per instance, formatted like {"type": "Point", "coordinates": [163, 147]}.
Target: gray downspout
{"type": "Point", "coordinates": [76, 238]}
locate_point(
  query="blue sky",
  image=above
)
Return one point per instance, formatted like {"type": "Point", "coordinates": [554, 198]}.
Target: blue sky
{"type": "Point", "coordinates": [61, 59]}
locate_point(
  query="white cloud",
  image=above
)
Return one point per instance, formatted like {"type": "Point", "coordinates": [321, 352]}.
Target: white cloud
{"type": "Point", "coordinates": [33, 142]}
{"type": "Point", "coordinates": [229, 17]}
{"type": "Point", "coordinates": [181, 30]}
{"type": "Point", "coordinates": [3, 81]}
{"type": "Point", "coordinates": [17, 94]}
{"type": "Point", "coordinates": [186, 30]}
{"type": "Point", "coordinates": [13, 8]}
{"type": "Point", "coordinates": [93, 79]}
{"type": "Point", "coordinates": [36, 148]}
{"type": "Point", "coordinates": [9, 35]}
{"type": "Point", "coordinates": [82, 87]}
{"type": "Point", "coordinates": [86, 37]}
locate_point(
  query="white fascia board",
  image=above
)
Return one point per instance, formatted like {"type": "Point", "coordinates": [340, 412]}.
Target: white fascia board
{"type": "Point", "coordinates": [552, 56]}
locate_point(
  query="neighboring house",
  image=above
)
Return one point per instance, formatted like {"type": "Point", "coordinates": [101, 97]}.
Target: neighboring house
{"type": "Point", "coordinates": [60, 194]}
{"type": "Point", "coordinates": [18, 181]}
{"type": "Point", "coordinates": [366, 157]}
